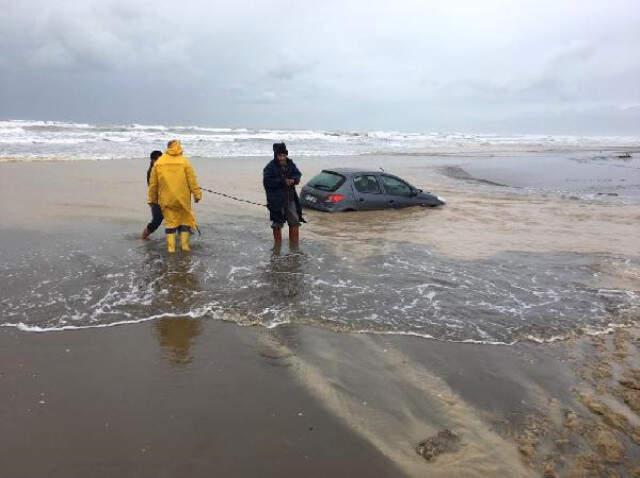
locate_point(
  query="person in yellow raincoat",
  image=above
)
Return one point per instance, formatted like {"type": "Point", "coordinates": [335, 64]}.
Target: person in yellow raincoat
{"type": "Point", "coordinates": [171, 183]}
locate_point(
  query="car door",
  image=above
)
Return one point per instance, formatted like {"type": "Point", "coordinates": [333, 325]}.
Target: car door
{"type": "Point", "coordinates": [397, 192]}
{"type": "Point", "coordinates": [368, 193]}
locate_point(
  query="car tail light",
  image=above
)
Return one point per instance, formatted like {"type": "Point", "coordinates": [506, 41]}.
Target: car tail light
{"type": "Point", "coordinates": [334, 198]}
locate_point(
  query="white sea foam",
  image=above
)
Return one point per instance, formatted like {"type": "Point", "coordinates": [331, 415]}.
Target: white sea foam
{"type": "Point", "coordinates": [193, 314]}
{"type": "Point", "coordinates": [24, 140]}
{"type": "Point", "coordinates": [203, 313]}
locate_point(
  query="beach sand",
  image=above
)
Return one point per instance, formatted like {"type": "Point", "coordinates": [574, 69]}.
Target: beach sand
{"type": "Point", "coordinates": [177, 396]}
{"type": "Point", "coordinates": [180, 397]}
{"type": "Point", "coordinates": [171, 398]}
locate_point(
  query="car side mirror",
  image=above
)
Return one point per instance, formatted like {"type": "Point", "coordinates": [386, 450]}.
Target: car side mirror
{"type": "Point", "coordinates": [415, 192]}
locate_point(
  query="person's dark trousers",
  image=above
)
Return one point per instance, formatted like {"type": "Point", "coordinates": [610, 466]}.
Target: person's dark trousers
{"type": "Point", "coordinates": [156, 218]}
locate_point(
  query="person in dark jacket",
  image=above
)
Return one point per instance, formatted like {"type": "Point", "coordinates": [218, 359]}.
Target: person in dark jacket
{"type": "Point", "coordinates": [156, 212]}
{"type": "Point", "coordinates": [279, 179]}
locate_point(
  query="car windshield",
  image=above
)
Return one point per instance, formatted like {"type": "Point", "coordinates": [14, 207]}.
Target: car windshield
{"type": "Point", "coordinates": [327, 181]}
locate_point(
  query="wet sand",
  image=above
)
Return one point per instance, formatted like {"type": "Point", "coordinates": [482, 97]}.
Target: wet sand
{"type": "Point", "coordinates": [172, 398]}
{"type": "Point", "coordinates": [183, 396]}
{"type": "Point", "coordinates": [197, 397]}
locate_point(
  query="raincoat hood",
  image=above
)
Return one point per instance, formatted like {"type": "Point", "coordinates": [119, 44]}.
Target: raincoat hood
{"type": "Point", "coordinates": [174, 148]}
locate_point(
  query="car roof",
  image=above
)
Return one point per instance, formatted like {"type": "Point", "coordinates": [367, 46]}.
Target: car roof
{"type": "Point", "coordinates": [351, 171]}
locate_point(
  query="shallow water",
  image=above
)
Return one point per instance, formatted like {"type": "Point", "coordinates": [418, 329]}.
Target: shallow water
{"type": "Point", "coordinates": [233, 274]}
{"type": "Point", "coordinates": [576, 174]}
{"type": "Point", "coordinates": [503, 261]}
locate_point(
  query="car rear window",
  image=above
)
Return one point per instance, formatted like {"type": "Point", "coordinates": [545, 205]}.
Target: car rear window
{"type": "Point", "coordinates": [327, 181]}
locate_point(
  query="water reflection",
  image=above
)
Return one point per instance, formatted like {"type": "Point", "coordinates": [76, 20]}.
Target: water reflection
{"type": "Point", "coordinates": [178, 284]}
{"type": "Point", "coordinates": [176, 336]}
{"type": "Point", "coordinates": [285, 274]}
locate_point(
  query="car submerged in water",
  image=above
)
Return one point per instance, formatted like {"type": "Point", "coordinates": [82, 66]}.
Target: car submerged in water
{"type": "Point", "coordinates": [347, 189]}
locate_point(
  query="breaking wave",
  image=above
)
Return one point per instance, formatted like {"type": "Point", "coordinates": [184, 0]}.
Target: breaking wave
{"type": "Point", "coordinates": [55, 140]}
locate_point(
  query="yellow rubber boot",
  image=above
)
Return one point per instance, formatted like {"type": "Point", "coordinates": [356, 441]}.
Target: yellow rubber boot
{"type": "Point", "coordinates": [184, 240]}
{"type": "Point", "coordinates": [171, 242]}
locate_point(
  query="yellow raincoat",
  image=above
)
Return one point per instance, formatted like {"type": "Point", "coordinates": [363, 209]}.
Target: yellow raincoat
{"type": "Point", "coordinates": [171, 183]}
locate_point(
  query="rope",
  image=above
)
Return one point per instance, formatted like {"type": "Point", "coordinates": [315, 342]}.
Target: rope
{"type": "Point", "coordinates": [229, 196]}
{"type": "Point", "coordinates": [234, 198]}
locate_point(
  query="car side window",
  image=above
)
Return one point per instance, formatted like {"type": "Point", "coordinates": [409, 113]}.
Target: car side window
{"type": "Point", "coordinates": [367, 184]}
{"type": "Point", "coordinates": [396, 187]}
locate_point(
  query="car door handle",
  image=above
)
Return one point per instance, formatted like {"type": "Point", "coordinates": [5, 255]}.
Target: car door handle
{"type": "Point", "coordinates": [361, 199]}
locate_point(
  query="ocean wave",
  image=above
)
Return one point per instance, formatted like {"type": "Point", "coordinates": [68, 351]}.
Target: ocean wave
{"type": "Point", "coordinates": [50, 139]}
{"type": "Point", "coordinates": [39, 124]}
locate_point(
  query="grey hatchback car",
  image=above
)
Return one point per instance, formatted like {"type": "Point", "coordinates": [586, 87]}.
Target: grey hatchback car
{"type": "Point", "coordinates": [346, 189]}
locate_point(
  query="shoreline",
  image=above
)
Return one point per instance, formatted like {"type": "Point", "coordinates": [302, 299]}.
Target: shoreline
{"type": "Point", "coordinates": [577, 334]}
{"type": "Point", "coordinates": [445, 154]}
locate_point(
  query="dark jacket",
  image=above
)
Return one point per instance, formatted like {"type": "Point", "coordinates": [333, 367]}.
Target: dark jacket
{"type": "Point", "coordinates": [277, 190]}
{"type": "Point", "coordinates": [152, 162]}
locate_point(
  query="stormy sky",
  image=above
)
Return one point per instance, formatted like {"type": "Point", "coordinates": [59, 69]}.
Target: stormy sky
{"type": "Point", "coordinates": [561, 66]}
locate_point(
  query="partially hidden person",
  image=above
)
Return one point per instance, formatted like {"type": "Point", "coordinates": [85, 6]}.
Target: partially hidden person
{"type": "Point", "coordinates": [279, 178]}
{"type": "Point", "coordinates": [156, 212]}
{"type": "Point", "coordinates": [172, 182]}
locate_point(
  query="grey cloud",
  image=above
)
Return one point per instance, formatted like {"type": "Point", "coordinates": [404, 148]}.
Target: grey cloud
{"type": "Point", "coordinates": [289, 70]}
{"type": "Point", "coordinates": [408, 65]}
{"type": "Point", "coordinates": [571, 55]}
{"type": "Point", "coordinates": [89, 37]}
